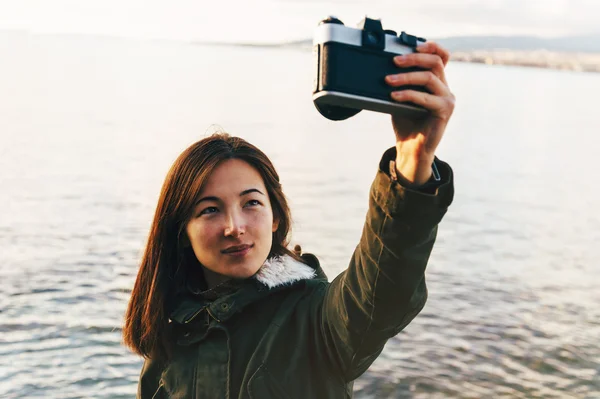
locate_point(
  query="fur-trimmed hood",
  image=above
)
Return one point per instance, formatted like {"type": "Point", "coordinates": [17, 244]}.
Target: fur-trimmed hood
{"type": "Point", "coordinates": [283, 270]}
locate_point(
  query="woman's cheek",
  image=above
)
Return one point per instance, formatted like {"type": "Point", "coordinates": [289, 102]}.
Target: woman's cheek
{"type": "Point", "coordinates": [264, 215]}
{"type": "Point", "coordinates": [207, 232]}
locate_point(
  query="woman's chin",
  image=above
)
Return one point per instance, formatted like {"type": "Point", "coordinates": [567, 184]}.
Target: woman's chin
{"type": "Point", "coordinates": [243, 270]}
{"type": "Point", "coordinates": [242, 273]}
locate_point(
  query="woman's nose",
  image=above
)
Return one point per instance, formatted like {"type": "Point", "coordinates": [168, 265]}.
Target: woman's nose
{"type": "Point", "coordinates": [235, 226]}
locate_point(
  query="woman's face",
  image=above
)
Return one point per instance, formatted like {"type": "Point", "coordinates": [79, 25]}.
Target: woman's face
{"type": "Point", "coordinates": [231, 229]}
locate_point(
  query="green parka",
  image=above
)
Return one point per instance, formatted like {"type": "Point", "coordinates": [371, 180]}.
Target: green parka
{"type": "Point", "coordinates": [289, 333]}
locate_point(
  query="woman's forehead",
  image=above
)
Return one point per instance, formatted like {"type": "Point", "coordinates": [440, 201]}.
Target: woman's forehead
{"type": "Point", "coordinates": [232, 177]}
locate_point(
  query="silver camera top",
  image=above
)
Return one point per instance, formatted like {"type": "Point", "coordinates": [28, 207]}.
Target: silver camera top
{"type": "Point", "coordinates": [369, 33]}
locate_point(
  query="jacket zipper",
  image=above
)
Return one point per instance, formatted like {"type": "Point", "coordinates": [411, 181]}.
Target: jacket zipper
{"type": "Point", "coordinates": [194, 316]}
{"type": "Point", "coordinates": [212, 315]}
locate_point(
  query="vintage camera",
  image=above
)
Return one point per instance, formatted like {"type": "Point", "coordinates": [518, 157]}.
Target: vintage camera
{"type": "Point", "coordinates": [351, 67]}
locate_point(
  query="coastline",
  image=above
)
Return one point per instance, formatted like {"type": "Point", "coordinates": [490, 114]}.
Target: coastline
{"type": "Point", "coordinates": [539, 58]}
{"type": "Point", "coordinates": [577, 62]}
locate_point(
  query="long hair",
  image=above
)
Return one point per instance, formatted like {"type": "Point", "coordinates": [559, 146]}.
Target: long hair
{"type": "Point", "coordinates": [168, 263]}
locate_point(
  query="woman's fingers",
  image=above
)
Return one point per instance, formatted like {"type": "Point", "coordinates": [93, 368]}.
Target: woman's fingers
{"type": "Point", "coordinates": [432, 58]}
{"type": "Point", "coordinates": [426, 79]}
{"type": "Point", "coordinates": [440, 106]}
{"type": "Point", "coordinates": [427, 61]}
{"type": "Point", "coordinates": [434, 48]}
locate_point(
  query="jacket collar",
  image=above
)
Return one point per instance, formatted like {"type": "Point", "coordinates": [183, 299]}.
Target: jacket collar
{"type": "Point", "coordinates": [283, 270]}
{"type": "Point", "coordinates": [276, 273]}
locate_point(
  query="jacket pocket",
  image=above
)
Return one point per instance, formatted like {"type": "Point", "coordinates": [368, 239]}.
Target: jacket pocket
{"type": "Point", "coordinates": [262, 385]}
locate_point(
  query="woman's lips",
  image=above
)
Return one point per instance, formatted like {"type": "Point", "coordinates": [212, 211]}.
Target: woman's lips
{"type": "Point", "coordinates": [238, 250]}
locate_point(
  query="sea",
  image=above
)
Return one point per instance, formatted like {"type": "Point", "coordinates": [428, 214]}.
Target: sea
{"type": "Point", "coordinates": [89, 127]}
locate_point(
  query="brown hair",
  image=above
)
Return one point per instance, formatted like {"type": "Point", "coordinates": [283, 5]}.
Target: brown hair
{"type": "Point", "coordinates": [167, 262]}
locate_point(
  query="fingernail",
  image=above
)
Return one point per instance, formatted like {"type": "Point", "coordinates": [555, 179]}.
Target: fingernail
{"type": "Point", "coordinates": [392, 78]}
{"type": "Point", "coordinates": [400, 59]}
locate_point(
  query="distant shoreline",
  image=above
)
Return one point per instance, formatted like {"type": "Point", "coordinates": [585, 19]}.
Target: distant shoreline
{"type": "Point", "coordinates": [578, 62]}
{"type": "Point", "coordinates": [564, 61]}
{"type": "Point", "coordinates": [489, 53]}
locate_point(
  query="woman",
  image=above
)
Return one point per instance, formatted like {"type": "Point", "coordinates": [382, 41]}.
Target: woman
{"type": "Point", "coordinates": [221, 308]}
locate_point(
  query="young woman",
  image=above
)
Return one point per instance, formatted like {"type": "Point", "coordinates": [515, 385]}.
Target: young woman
{"type": "Point", "coordinates": [221, 308]}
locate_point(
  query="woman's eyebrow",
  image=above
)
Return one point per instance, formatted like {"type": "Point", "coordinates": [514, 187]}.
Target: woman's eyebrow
{"type": "Point", "coordinates": [210, 198]}
{"type": "Point", "coordinates": [251, 190]}
{"type": "Point", "coordinates": [217, 199]}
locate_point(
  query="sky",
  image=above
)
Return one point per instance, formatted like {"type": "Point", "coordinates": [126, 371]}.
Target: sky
{"type": "Point", "coordinates": [269, 21]}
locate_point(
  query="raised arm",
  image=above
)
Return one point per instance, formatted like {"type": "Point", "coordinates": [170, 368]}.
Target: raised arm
{"type": "Point", "coordinates": [383, 288]}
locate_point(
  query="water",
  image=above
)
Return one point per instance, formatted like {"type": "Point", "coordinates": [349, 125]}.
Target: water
{"type": "Point", "coordinates": [89, 127]}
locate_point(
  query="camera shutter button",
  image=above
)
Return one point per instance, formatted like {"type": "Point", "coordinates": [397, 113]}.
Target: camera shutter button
{"type": "Point", "coordinates": [391, 32]}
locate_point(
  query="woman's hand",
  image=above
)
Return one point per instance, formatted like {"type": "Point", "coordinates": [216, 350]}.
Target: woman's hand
{"type": "Point", "coordinates": [418, 137]}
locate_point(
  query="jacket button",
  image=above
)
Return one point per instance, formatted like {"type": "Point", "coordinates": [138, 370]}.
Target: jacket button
{"type": "Point", "coordinates": [224, 306]}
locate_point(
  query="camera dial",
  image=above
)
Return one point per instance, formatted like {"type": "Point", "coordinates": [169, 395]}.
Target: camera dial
{"type": "Point", "coordinates": [331, 20]}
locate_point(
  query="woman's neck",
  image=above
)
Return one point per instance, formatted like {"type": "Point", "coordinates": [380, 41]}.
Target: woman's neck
{"type": "Point", "coordinates": [213, 279]}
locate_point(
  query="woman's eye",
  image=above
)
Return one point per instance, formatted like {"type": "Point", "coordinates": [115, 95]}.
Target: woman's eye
{"type": "Point", "coordinates": [253, 202]}
{"type": "Point", "coordinates": [208, 211]}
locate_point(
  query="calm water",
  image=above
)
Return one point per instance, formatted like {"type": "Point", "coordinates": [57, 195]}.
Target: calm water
{"type": "Point", "coordinates": [89, 127]}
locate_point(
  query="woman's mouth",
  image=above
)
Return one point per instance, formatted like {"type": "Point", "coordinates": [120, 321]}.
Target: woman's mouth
{"type": "Point", "coordinates": [237, 250]}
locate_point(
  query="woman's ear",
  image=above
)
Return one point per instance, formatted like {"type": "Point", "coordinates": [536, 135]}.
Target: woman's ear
{"type": "Point", "coordinates": [275, 224]}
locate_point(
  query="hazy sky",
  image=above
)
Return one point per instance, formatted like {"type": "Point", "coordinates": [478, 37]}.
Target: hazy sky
{"type": "Point", "coordinates": [273, 21]}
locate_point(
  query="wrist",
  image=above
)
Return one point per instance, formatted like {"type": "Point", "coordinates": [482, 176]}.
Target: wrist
{"type": "Point", "coordinates": [413, 171]}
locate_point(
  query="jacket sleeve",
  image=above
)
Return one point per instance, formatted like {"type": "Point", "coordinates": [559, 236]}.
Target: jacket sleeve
{"type": "Point", "coordinates": [149, 386]}
{"type": "Point", "coordinates": [383, 288]}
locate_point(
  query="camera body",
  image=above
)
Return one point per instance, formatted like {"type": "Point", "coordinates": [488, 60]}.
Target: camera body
{"type": "Point", "coordinates": [351, 67]}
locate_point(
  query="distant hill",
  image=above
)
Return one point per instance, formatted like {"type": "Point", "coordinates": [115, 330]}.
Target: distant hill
{"type": "Point", "coordinates": [576, 44]}
{"type": "Point", "coordinates": [580, 53]}
{"type": "Point", "coordinates": [568, 44]}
